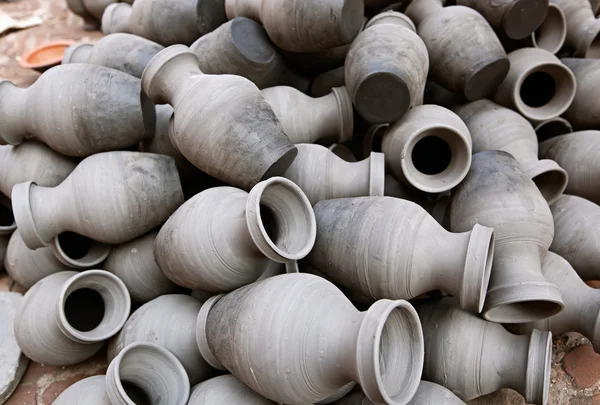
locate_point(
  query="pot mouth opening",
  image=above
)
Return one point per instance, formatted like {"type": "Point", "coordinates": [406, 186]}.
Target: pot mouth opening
{"type": "Point", "coordinates": [551, 35]}
{"type": "Point", "coordinates": [523, 311]}
{"type": "Point", "coordinates": [7, 219]}
{"type": "Point", "coordinates": [79, 251]}
{"type": "Point", "coordinates": [551, 128]}
{"type": "Point", "coordinates": [551, 182]}
{"type": "Point", "coordinates": [539, 367]}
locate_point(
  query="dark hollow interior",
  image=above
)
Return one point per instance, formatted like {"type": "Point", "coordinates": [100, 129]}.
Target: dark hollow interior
{"type": "Point", "coordinates": [538, 89]}
{"type": "Point", "coordinates": [74, 245]}
{"type": "Point", "coordinates": [431, 155]}
{"type": "Point", "coordinates": [552, 129]}
{"type": "Point", "coordinates": [6, 216]}
{"type": "Point", "coordinates": [136, 393]}
{"type": "Point", "coordinates": [84, 309]}
{"type": "Point", "coordinates": [268, 219]}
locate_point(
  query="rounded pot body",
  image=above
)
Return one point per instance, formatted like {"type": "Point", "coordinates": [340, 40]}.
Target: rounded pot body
{"type": "Point", "coordinates": [584, 112]}
{"type": "Point", "coordinates": [583, 29]}
{"type": "Point", "coordinates": [225, 389]}
{"type": "Point", "coordinates": [427, 394]}
{"type": "Point", "coordinates": [89, 391]}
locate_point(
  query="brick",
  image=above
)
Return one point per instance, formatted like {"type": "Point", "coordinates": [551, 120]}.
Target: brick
{"type": "Point", "coordinates": [583, 364]}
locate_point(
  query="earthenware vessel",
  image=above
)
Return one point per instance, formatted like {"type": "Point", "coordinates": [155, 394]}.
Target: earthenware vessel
{"type": "Point", "coordinates": [583, 29]}
{"type": "Point", "coordinates": [427, 394]}
{"type": "Point", "coordinates": [498, 193]}
{"type": "Point", "coordinates": [66, 317]}
{"type": "Point", "coordinates": [282, 310]}
{"type": "Point", "coordinates": [551, 35]}
{"type": "Point", "coordinates": [473, 357]}
{"type": "Point", "coordinates": [90, 10]}
{"type": "Point", "coordinates": [125, 195]}
{"type": "Point", "coordinates": [91, 94]}
{"type": "Point", "coordinates": [386, 68]}
{"type": "Point", "coordinates": [225, 389]}
{"type": "Point", "coordinates": [325, 82]}
{"type": "Point", "coordinates": [584, 112]}
{"type": "Point", "coordinates": [553, 127]}
{"type": "Point", "coordinates": [494, 127]}
{"type": "Point", "coordinates": [428, 148]}
{"type": "Point", "coordinates": [221, 124]}
{"type": "Point", "coordinates": [465, 55]}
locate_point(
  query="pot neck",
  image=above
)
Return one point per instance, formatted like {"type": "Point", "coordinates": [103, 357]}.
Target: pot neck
{"type": "Point", "coordinates": [419, 10]}
{"type": "Point", "coordinates": [12, 113]}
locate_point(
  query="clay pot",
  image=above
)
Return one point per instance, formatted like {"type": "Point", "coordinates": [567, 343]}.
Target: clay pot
{"type": "Point", "coordinates": [225, 389]}
{"type": "Point", "coordinates": [125, 52]}
{"type": "Point", "coordinates": [306, 120]}
{"type": "Point", "coordinates": [301, 26]}
{"type": "Point", "coordinates": [577, 228]}
{"type": "Point", "coordinates": [91, 94]}
{"type": "Point", "coordinates": [473, 357]}
{"type": "Point", "coordinates": [224, 238]}
{"type": "Point", "coordinates": [324, 83]}
{"type": "Point", "coordinates": [322, 175]}
{"type": "Point", "coordinates": [584, 112]}
{"type": "Point", "coordinates": [553, 127]}
{"type": "Point", "coordinates": [351, 250]}
{"type": "Point", "coordinates": [538, 86]}
{"type": "Point", "coordinates": [427, 394]}
{"type": "Point", "coordinates": [498, 193]}
{"type": "Point", "coordinates": [578, 153]}
{"type": "Point", "coordinates": [583, 29]}
{"type": "Point", "coordinates": [465, 55]}
{"type": "Point", "coordinates": [386, 68]}
{"type": "Point", "coordinates": [493, 127]}
{"type": "Point", "coordinates": [428, 148]}
{"type": "Point", "coordinates": [90, 10]}
{"type": "Point", "coordinates": [170, 322]}
{"type": "Point", "coordinates": [222, 124]}
{"type": "Point", "coordinates": [66, 317]}
{"type": "Point", "coordinates": [551, 35]}
{"type": "Point", "coordinates": [125, 195]}
{"type": "Point", "coordinates": [115, 19]}
{"type": "Point", "coordinates": [303, 313]}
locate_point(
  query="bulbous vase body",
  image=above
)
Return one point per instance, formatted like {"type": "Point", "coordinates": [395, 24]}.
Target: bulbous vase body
{"type": "Point", "coordinates": [584, 112]}
{"type": "Point", "coordinates": [225, 389]}
{"type": "Point", "coordinates": [583, 29]}
{"type": "Point", "coordinates": [427, 394]}
{"type": "Point", "coordinates": [90, 391]}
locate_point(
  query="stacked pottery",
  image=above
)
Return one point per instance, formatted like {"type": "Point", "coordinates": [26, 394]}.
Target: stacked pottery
{"type": "Point", "coordinates": [583, 29]}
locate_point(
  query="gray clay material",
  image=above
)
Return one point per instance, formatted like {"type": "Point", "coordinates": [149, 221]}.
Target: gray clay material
{"type": "Point", "coordinates": [427, 394]}
{"type": "Point", "coordinates": [225, 389]}
{"type": "Point", "coordinates": [584, 112]}
{"type": "Point", "coordinates": [583, 29]}
{"type": "Point", "coordinates": [13, 363]}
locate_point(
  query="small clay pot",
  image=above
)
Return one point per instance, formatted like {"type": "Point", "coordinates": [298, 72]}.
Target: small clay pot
{"type": "Point", "coordinates": [225, 389]}
{"type": "Point", "coordinates": [427, 394]}
{"type": "Point", "coordinates": [551, 35]}
{"type": "Point", "coordinates": [551, 128]}
{"type": "Point", "coordinates": [583, 29]}
{"type": "Point", "coordinates": [324, 83]}
{"type": "Point", "coordinates": [584, 112]}
{"type": "Point", "coordinates": [90, 10]}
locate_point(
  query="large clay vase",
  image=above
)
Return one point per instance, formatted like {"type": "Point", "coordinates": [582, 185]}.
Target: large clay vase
{"type": "Point", "coordinates": [385, 247]}
{"type": "Point", "coordinates": [381, 349]}
{"type": "Point", "coordinates": [90, 10]}
{"type": "Point", "coordinates": [578, 153]}
{"type": "Point", "coordinates": [427, 394]}
{"type": "Point", "coordinates": [493, 127]}
{"type": "Point", "coordinates": [66, 317]}
{"type": "Point", "coordinates": [224, 238]}
{"type": "Point", "coordinates": [225, 389]}
{"type": "Point", "coordinates": [222, 124]}
{"type": "Point", "coordinates": [473, 357]}
{"type": "Point", "coordinates": [306, 120]}
{"type": "Point", "coordinates": [584, 112]}
{"type": "Point", "coordinates": [583, 29]}
{"type": "Point", "coordinates": [498, 193]}
{"type": "Point", "coordinates": [170, 322]}
{"type": "Point", "coordinates": [386, 68]}
{"type": "Point", "coordinates": [91, 109]}
{"type": "Point", "coordinates": [110, 197]}
{"type": "Point", "coordinates": [465, 55]}
{"type": "Point", "coordinates": [428, 148]}
{"type": "Point", "coordinates": [576, 234]}
{"type": "Point", "coordinates": [125, 52]}
{"type": "Point", "coordinates": [538, 85]}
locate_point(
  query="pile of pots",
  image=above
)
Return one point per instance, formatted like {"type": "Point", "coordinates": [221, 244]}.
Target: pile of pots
{"type": "Point", "coordinates": [307, 201]}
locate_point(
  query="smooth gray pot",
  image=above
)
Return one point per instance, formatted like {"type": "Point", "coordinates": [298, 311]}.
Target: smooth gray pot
{"type": "Point", "coordinates": [427, 394]}
{"type": "Point", "coordinates": [225, 389]}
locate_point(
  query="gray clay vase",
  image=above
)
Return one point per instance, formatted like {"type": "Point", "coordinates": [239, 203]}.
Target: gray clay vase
{"type": "Point", "coordinates": [427, 394]}
{"type": "Point", "coordinates": [583, 28]}
{"type": "Point", "coordinates": [90, 10]}
{"type": "Point", "coordinates": [110, 197]}
{"type": "Point", "coordinates": [66, 317]}
{"type": "Point", "coordinates": [106, 110]}
{"type": "Point", "coordinates": [498, 193]}
{"type": "Point", "coordinates": [304, 313]}
{"type": "Point", "coordinates": [584, 112]}
{"type": "Point", "coordinates": [221, 124]}
{"type": "Point", "coordinates": [225, 389]}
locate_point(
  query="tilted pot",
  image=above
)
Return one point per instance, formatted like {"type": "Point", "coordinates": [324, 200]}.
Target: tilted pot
{"type": "Point", "coordinates": [427, 394]}
{"type": "Point", "coordinates": [551, 128]}
{"type": "Point", "coordinates": [584, 112]}
{"type": "Point", "coordinates": [381, 349]}
{"type": "Point", "coordinates": [221, 124]}
{"type": "Point", "coordinates": [66, 317]}
{"type": "Point", "coordinates": [90, 10]}
{"type": "Point", "coordinates": [583, 29]}
{"type": "Point", "coordinates": [225, 389]}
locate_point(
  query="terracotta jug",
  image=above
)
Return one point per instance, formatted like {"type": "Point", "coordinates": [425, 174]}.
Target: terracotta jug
{"type": "Point", "coordinates": [498, 193]}
{"type": "Point", "coordinates": [583, 29]}
{"type": "Point", "coordinates": [225, 389]}
{"type": "Point", "coordinates": [222, 124]}
{"type": "Point", "coordinates": [322, 175]}
{"type": "Point", "coordinates": [303, 26]}
{"type": "Point", "coordinates": [125, 195]}
{"type": "Point", "coordinates": [553, 127]}
{"type": "Point", "coordinates": [578, 154]}
{"type": "Point", "coordinates": [473, 357]}
{"type": "Point", "coordinates": [359, 245]}
{"type": "Point", "coordinates": [551, 35]}
{"type": "Point", "coordinates": [125, 52]}
{"type": "Point", "coordinates": [584, 112]}
{"type": "Point", "coordinates": [66, 317]}
{"type": "Point", "coordinates": [577, 230]}
{"type": "Point", "coordinates": [224, 238]}
{"type": "Point", "coordinates": [427, 394]}
{"type": "Point", "coordinates": [170, 322]}
{"type": "Point", "coordinates": [538, 85]}
{"type": "Point", "coordinates": [386, 68]}
{"type": "Point", "coordinates": [90, 10]}
{"type": "Point", "coordinates": [493, 127]}
{"type": "Point", "coordinates": [91, 94]}
{"type": "Point", "coordinates": [325, 82]}
{"type": "Point", "coordinates": [465, 55]}
{"type": "Point", "coordinates": [283, 310]}
{"type": "Point", "coordinates": [428, 148]}
{"type": "Point", "coordinates": [307, 120]}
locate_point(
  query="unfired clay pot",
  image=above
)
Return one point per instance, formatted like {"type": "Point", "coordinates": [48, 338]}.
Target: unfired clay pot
{"type": "Point", "coordinates": [553, 127]}
{"type": "Point", "coordinates": [222, 124]}
{"type": "Point", "coordinates": [493, 127]}
{"type": "Point", "coordinates": [428, 148]}
{"type": "Point", "coordinates": [225, 389]}
{"type": "Point", "coordinates": [579, 154]}
{"type": "Point", "coordinates": [91, 95]}
{"type": "Point", "coordinates": [381, 349]}
{"type": "Point", "coordinates": [324, 83]}
{"type": "Point", "coordinates": [583, 29]}
{"type": "Point", "coordinates": [125, 52]}
{"type": "Point", "coordinates": [551, 35]}
{"type": "Point", "coordinates": [465, 55]}
{"type": "Point", "coordinates": [66, 317]}
{"type": "Point", "coordinates": [322, 175]}
{"type": "Point", "coordinates": [386, 68]}
{"type": "Point", "coordinates": [90, 10]}
{"type": "Point", "coordinates": [473, 357]}
{"type": "Point", "coordinates": [385, 247]}
{"type": "Point", "coordinates": [110, 197]}
{"type": "Point", "coordinates": [170, 322]}
{"type": "Point", "coordinates": [538, 85]}
{"type": "Point", "coordinates": [498, 193]}
{"type": "Point", "coordinates": [584, 112]}
{"type": "Point", "coordinates": [224, 238]}
{"type": "Point", "coordinates": [427, 394]}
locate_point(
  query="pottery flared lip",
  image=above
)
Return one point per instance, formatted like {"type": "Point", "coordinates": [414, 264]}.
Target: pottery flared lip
{"type": "Point", "coordinates": [201, 337]}
{"type": "Point", "coordinates": [549, 177]}
{"type": "Point", "coordinates": [24, 216]}
{"type": "Point", "coordinates": [346, 113]}
{"type": "Point", "coordinates": [539, 367]}
{"type": "Point", "coordinates": [107, 17]}
{"type": "Point", "coordinates": [551, 35]}
{"type": "Point", "coordinates": [96, 254]}
{"type": "Point", "coordinates": [478, 268]}
{"type": "Point", "coordinates": [524, 17]}
{"type": "Point", "coordinates": [72, 52]}
{"type": "Point", "coordinates": [46, 55]}
{"type": "Point", "coordinates": [376, 174]}
{"type": "Point", "coordinates": [553, 127]}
